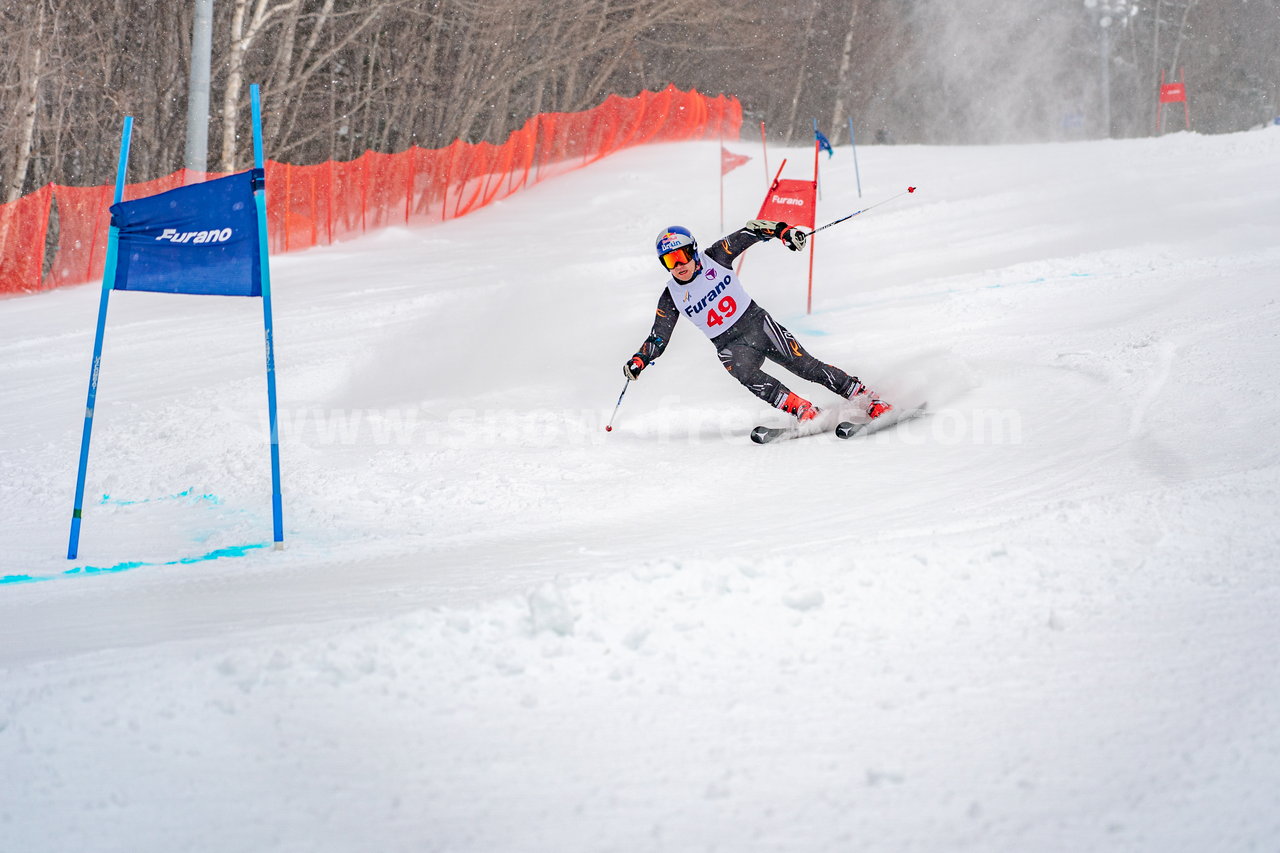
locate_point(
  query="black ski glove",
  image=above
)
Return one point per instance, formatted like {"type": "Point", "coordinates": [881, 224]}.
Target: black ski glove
{"type": "Point", "coordinates": [633, 367]}
{"type": "Point", "coordinates": [789, 235]}
{"type": "Point", "coordinates": [792, 236]}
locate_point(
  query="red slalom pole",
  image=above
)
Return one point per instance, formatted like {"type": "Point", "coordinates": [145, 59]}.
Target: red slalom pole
{"type": "Point", "coordinates": [808, 308]}
{"type": "Point", "coordinates": [720, 158]}
{"type": "Point", "coordinates": [743, 259]}
{"type": "Point", "coordinates": [764, 146]}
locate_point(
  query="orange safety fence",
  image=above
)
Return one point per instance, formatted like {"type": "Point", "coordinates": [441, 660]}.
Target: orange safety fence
{"type": "Point", "coordinates": [318, 205]}
{"type": "Point", "coordinates": [23, 226]}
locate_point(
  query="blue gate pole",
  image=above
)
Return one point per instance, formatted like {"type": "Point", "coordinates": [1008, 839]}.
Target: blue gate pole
{"type": "Point", "coordinates": [854, 146]}
{"type": "Point", "coordinates": [260, 201]}
{"type": "Point", "coordinates": [108, 281]}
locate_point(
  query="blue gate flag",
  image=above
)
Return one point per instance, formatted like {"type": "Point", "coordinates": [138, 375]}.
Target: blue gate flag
{"type": "Point", "coordinates": [201, 239]}
{"type": "Point", "coordinates": [823, 142]}
{"type": "Point", "coordinates": [208, 238]}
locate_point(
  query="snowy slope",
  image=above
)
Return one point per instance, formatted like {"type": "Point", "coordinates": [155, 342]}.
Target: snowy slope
{"type": "Point", "coordinates": [1043, 618]}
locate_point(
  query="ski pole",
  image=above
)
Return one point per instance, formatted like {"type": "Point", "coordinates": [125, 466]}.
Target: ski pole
{"type": "Point", "coordinates": [856, 212]}
{"type": "Point", "coordinates": [609, 426]}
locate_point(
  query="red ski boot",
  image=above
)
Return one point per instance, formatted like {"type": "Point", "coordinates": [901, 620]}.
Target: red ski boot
{"type": "Point", "coordinates": [800, 407]}
{"type": "Point", "coordinates": [878, 408]}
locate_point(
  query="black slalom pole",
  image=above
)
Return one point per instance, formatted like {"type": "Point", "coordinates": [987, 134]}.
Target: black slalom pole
{"type": "Point", "coordinates": [609, 426]}
{"type": "Point", "coordinates": [856, 212]}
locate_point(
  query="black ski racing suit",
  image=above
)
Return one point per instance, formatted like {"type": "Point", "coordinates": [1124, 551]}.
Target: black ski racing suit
{"type": "Point", "coordinates": [753, 338]}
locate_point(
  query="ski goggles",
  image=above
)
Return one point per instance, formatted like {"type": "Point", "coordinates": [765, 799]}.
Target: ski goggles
{"type": "Point", "coordinates": [676, 257]}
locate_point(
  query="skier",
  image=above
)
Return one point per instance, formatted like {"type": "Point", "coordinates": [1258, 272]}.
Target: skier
{"type": "Point", "coordinates": [705, 289]}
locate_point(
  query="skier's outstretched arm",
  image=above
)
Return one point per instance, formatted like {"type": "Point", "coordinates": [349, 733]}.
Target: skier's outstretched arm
{"type": "Point", "coordinates": [728, 248]}
{"type": "Point", "coordinates": [664, 323]}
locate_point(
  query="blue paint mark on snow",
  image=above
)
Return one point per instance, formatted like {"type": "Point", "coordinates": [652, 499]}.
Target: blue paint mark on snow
{"type": "Point", "coordinates": [218, 554]}
{"type": "Point", "coordinates": [807, 330]}
{"type": "Point", "coordinates": [107, 499]}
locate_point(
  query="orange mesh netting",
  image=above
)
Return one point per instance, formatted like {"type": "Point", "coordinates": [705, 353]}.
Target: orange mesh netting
{"type": "Point", "coordinates": [23, 227]}
{"type": "Point", "coordinates": [317, 205]}
{"type": "Point", "coordinates": [83, 220]}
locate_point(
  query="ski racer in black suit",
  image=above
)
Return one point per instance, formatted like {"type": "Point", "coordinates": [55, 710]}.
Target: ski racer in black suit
{"type": "Point", "coordinates": [705, 289]}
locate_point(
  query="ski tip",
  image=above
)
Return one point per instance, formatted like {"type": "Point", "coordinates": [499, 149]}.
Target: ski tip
{"type": "Point", "coordinates": [760, 435]}
{"type": "Point", "coordinates": [847, 429]}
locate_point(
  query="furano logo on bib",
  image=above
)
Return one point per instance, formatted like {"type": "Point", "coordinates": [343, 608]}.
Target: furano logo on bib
{"type": "Point", "coordinates": [709, 298]}
{"type": "Point", "coordinates": [717, 300]}
{"type": "Point", "coordinates": [214, 236]}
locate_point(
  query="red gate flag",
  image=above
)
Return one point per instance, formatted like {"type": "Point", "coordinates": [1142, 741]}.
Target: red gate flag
{"type": "Point", "coordinates": [795, 203]}
{"type": "Point", "coordinates": [730, 161]}
{"type": "Point", "coordinates": [791, 201]}
{"type": "Point", "coordinates": [1172, 93]}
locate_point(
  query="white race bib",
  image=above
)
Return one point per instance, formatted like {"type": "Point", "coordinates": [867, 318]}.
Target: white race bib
{"type": "Point", "coordinates": [714, 300]}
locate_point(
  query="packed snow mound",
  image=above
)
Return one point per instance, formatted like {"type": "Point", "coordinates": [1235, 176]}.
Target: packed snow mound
{"type": "Point", "coordinates": [1039, 618]}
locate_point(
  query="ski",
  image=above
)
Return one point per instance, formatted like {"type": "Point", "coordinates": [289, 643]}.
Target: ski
{"type": "Point", "coordinates": [844, 429]}
{"type": "Point", "coordinates": [819, 425]}
{"type": "Point", "coordinates": [764, 434]}
{"type": "Point", "coordinates": [849, 429]}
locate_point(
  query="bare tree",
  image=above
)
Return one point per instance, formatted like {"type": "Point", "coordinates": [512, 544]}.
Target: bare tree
{"type": "Point", "coordinates": [31, 68]}
{"type": "Point", "coordinates": [843, 76]}
{"type": "Point", "coordinates": [247, 25]}
{"type": "Point", "coordinates": [343, 76]}
{"type": "Point", "coordinates": [800, 72]}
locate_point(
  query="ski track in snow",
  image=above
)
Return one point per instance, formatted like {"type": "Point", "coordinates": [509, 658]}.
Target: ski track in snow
{"type": "Point", "coordinates": [1040, 618]}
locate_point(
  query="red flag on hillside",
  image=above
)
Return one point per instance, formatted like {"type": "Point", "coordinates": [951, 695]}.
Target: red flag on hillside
{"type": "Point", "coordinates": [730, 161]}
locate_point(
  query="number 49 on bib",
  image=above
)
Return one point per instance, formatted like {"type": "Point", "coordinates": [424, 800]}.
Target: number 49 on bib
{"type": "Point", "coordinates": [727, 309]}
